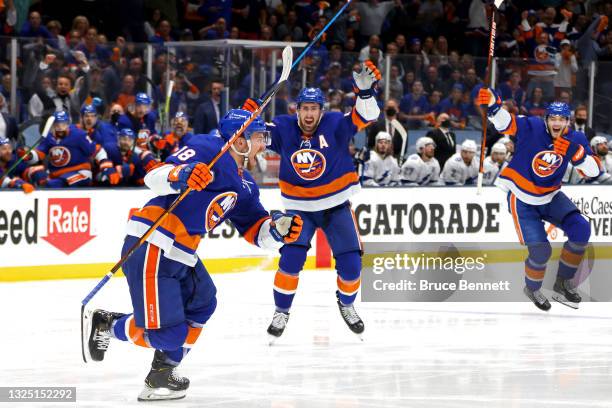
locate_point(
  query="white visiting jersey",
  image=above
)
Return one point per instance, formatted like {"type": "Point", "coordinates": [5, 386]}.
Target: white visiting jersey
{"type": "Point", "coordinates": [415, 171]}
{"type": "Point", "coordinates": [379, 171]}
{"type": "Point", "coordinates": [457, 172]}
{"type": "Point", "coordinates": [491, 169]}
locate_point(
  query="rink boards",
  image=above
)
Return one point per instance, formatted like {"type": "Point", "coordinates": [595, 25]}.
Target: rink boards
{"type": "Point", "coordinates": [59, 234]}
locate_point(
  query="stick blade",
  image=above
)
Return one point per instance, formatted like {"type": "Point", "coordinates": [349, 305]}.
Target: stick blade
{"type": "Point", "coordinates": [48, 125]}
{"type": "Point", "coordinates": [498, 3]}
{"type": "Point", "coordinates": [287, 61]}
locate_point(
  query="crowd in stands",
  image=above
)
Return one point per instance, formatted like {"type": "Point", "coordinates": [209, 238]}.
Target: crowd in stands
{"type": "Point", "coordinates": [88, 54]}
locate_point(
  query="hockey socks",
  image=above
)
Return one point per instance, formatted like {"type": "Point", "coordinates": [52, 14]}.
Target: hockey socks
{"type": "Point", "coordinates": [348, 266]}
{"type": "Point", "coordinates": [571, 256]}
{"type": "Point", "coordinates": [285, 286]}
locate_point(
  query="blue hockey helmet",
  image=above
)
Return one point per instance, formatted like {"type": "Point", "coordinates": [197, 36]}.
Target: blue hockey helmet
{"type": "Point", "coordinates": [127, 132]}
{"type": "Point", "coordinates": [181, 115]}
{"type": "Point", "coordinates": [314, 95]}
{"type": "Point", "coordinates": [61, 117]}
{"type": "Point", "coordinates": [89, 108]}
{"type": "Point", "coordinates": [232, 121]}
{"type": "Point", "coordinates": [559, 109]}
{"type": "Point", "coordinates": [4, 141]}
{"type": "Point", "coordinates": [142, 99]}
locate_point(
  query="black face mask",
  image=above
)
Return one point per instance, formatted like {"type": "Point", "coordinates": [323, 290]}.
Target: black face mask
{"type": "Point", "coordinates": [115, 117]}
{"type": "Point", "coordinates": [580, 121]}
{"type": "Point", "coordinates": [390, 111]}
{"type": "Point", "coordinates": [445, 124]}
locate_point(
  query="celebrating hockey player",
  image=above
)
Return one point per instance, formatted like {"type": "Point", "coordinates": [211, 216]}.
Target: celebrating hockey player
{"type": "Point", "coordinates": [494, 163]}
{"type": "Point", "coordinates": [382, 168]}
{"type": "Point", "coordinates": [101, 132]}
{"type": "Point", "coordinates": [461, 168]}
{"type": "Point", "coordinates": [176, 139]}
{"type": "Point", "coordinates": [142, 120]}
{"type": "Point", "coordinates": [421, 168]}
{"type": "Point", "coordinates": [13, 178]}
{"type": "Point", "coordinates": [543, 150]}
{"type": "Point", "coordinates": [172, 294]}
{"type": "Point", "coordinates": [70, 151]}
{"type": "Point", "coordinates": [317, 177]}
{"type": "Point", "coordinates": [131, 162]}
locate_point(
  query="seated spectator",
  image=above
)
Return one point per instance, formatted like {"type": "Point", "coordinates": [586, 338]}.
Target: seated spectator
{"type": "Point", "coordinates": [382, 168]}
{"type": "Point", "coordinates": [462, 168]}
{"type": "Point", "coordinates": [128, 92]}
{"type": "Point", "coordinates": [55, 28]}
{"type": "Point", "coordinates": [432, 81]}
{"type": "Point", "coordinates": [421, 168]}
{"type": "Point", "coordinates": [455, 107]}
{"type": "Point", "coordinates": [33, 28]}
{"type": "Point", "coordinates": [414, 106]}
{"type": "Point", "coordinates": [535, 105]}
{"type": "Point", "coordinates": [216, 31]}
{"type": "Point", "coordinates": [434, 105]}
{"type": "Point", "coordinates": [511, 89]}
{"type": "Point", "coordinates": [290, 28]}
{"type": "Point", "coordinates": [494, 163]}
{"type": "Point", "coordinates": [396, 88]}
{"type": "Point", "coordinates": [92, 50]}
{"type": "Point", "coordinates": [364, 53]}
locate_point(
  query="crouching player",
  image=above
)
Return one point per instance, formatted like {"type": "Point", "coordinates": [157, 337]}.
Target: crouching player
{"type": "Point", "coordinates": [543, 150]}
{"type": "Point", "coordinates": [7, 161]}
{"type": "Point", "coordinates": [172, 294]}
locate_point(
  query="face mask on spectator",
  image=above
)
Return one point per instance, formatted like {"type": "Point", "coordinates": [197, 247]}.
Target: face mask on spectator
{"type": "Point", "coordinates": [390, 111]}
{"type": "Point", "coordinates": [580, 121]}
{"type": "Point", "coordinates": [445, 123]}
{"type": "Point", "coordinates": [115, 117]}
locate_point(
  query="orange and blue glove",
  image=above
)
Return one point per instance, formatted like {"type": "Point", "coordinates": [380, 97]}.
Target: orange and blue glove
{"type": "Point", "coordinates": [285, 228]}
{"type": "Point", "coordinates": [194, 175]}
{"type": "Point", "coordinates": [488, 97]}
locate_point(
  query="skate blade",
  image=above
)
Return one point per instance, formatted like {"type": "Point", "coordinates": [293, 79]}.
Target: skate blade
{"type": "Point", "coordinates": [160, 394]}
{"type": "Point", "coordinates": [272, 340]}
{"type": "Point", "coordinates": [563, 300]}
{"type": "Point", "coordinates": [85, 332]}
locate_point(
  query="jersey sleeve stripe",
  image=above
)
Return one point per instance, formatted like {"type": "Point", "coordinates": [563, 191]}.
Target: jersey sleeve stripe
{"type": "Point", "coordinates": [61, 172]}
{"type": "Point", "coordinates": [251, 234]}
{"type": "Point", "coordinates": [358, 120]}
{"type": "Point", "coordinates": [340, 183]}
{"type": "Point", "coordinates": [511, 129]}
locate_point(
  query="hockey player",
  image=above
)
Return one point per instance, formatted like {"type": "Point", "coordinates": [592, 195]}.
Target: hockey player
{"type": "Point", "coordinates": [142, 121]}
{"type": "Point", "coordinates": [176, 139]}
{"type": "Point", "coordinates": [461, 168]}
{"type": "Point", "coordinates": [14, 178]}
{"type": "Point", "coordinates": [494, 163]}
{"type": "Point", "coordinates": [599, 145]}
{"type": "Point", "coordinates": [172, 294]}
{"type": "Point", "coordinates": [421, 168]}
{"type": "Point", "coordinates": [131, 162]}
{"type": "Point", "coordinates": [382, 168]}
{"type": "Point", "coordinates": [544, 148]}
{"type": "Point", "coordinates": [101, 132]}
{"type": "Point", "coordinates": [317, 177]}
{"type": "Point", "coordinates": [70, 151]}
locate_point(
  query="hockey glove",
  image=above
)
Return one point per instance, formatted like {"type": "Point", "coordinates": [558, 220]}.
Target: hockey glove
{"type": "Point", "coordinates": [285, 228]}
{"type": "Point", "coordinates": [489, 98]}
{"type": "Point", "coordinates": [366, 80]}
{"type": "Point", "coordinates": [567, 148]}
{"type": "Point", "coordinates": [251, 104]}
{"type": "Point", "coordinates": [21, 152]}
{"type": "Point", "coordinates": [194, 175]}
{"type": "Point", "coordinates": [110, 173]}
{"type": "Point", "coordinates": [126, 170]}
{"type": "Point", "coordinates": [19, 183]}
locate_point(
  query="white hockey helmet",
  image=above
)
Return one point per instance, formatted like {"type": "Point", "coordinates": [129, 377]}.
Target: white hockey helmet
{"type": "Point", "coordinates": [499, 148]}
{"type": "Point", "coordinates": [383, 136]}
{"type": "Point", "coordinates": [598, 140]}
{"type": "Point", "coordinates": [469, 146]}
{"type": "Point", "coordinates": [422, 142]}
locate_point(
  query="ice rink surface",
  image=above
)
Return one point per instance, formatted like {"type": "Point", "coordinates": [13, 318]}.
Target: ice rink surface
{"type": "Point", "coordinates": [413, 355]}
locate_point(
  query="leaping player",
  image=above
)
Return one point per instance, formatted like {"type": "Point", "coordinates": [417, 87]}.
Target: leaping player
{"type": "Point", "coordinates": [317, 178]}
{"type": "Point", "coordinates": [172, 294]}
{"type": "Point", "coordinates": [543, 150]}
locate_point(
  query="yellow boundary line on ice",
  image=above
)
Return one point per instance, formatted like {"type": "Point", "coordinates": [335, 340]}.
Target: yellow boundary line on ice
{"type": "Point", "coordinates": [233, 265]}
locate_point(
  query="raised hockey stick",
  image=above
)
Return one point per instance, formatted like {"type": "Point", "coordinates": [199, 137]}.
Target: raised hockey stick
{"type": "Point", "coordinates": [287, 58]}
{"type": "Point", "coordinates": [43, 135]}
{"type": "Point", "coordinates": [167, 105]}
{"type": "Point", "coordinates": [400, 129]}
{"type": "Point", "coordinates": [487, 83]}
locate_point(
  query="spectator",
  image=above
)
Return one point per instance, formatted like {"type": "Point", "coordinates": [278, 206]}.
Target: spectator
{"type": "Point", "coordinates": [413, 106]}
{"type": "Point", "coordinates": [421, 168]}
{"type": "Point", "coordinates": [92, 50]}
{"type": "Point", "coordinates": [461, 168]}
{"type": "Point", "coordinates": [127, 96]}
{"type": "Point", "coordinates": [208, 112]}
{"type": "Point", "coordinates": [535, 106]}
{"type": "Point", "coordinates": [541, 69]}
{"type": "Point", "coordinates": [382, 168]}
{"type": "Point", "coordinates": [80, 25]}
{"type": "Point", "coordinates": [388, 123]}
{"type": "Point", "coordinates": [163, 33]}
{"type": "Point", "coordinates": [152, 22]}
{"type": "Point", "coordinates": [400, 41]}
{"type": "Point", "coordinates": [373, 15]}
{"type": "Point", "coordinates": [444, 139]}
{"type": "Point", "coordinates": [434, 105]}
{"type": "Point", "coordinates": [33, 28]}
{"type": "Point", "coordinates": [566, 66]}
{"type": "Point", "coordinates": [511, 89]}
{"type": "Point", "coordinates": [373, 41]}
{"type": "Point", "coordinates": [8, 124]}
{"type": "Point", "coordinates": [55, 28]}
{"type": "Point", "coordinates": [216, 31]}
{"type": "Point", "coordinates": [290, 28]}
{"type": "Point", "coordinates": [580, 122]}
{"type": "Point", "coordinates": [432, 80]}
{"type": "Point", "coordinates": [396, 88]}
{"type": "Point", "coordinates": [455, 107]}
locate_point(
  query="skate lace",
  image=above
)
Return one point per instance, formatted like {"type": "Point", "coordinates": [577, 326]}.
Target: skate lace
{"type": "Point", "coordinates": [175, 376]}
{"type": "Point", "coordinates": [102, 339]}
{"type": "Point", "coordinates": [539, 297]}
{"type": "Point", "coordinates": [349, 314]}
{"type": "Point", "coordinates": [279, 320]}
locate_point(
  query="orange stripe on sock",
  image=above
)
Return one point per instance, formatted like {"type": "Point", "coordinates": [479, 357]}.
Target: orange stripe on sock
{"type": "Point", "coordinates": [136, 334]}
{"type": "Point", "coordinates": [570, 258]}
{"type": "Point", "coordinates": [285, 281]}
{"type": "Point", "coordinates": [534, 274]}
{"type": "Point", "coordinates": [192, 336]}
{"type": "Point", "coordinates": [348, 288]}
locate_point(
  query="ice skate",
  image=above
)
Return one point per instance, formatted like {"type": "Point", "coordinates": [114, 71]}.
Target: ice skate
{"type": "Point", "coordinates": [277, 327]}
{"type": "Point", "coordinates": [538, 299]}
{"type": "Point", "coordinates": [163, 382]}
{"type": "Point", "coordinates": [96, 333]}
{"type": "Point", "coordinates": [351, 318]}
{"type": "Point", "coordinates": [565, 293]}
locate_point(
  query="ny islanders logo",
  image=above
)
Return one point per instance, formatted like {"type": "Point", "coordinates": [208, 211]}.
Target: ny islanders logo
{"type": "Point", "coordinates": [308, 164]}
{"type": "Point", "coordinates": [59, 156]}
{"type": "Point", "coordinates": [218, 208]}
{"type": "Point", "coordinates": [546, 163]}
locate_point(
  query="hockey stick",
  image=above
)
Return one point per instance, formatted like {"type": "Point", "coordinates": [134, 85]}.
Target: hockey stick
{"type": "Point", "coordinates": [43, 135]}
{"type": "Point", "coordinates": [400, 129]}
{"type": "Point", "coordinates": [486, 84]}
{"type": "Point", "coordinates": [167, 106]}
{"type": "Point", "coordinates": [287, 57]}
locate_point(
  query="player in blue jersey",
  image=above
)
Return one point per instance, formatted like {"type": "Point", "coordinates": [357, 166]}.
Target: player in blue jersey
{"type": "Point", "coordinates": [175, 139]}
{"type": "Point", "coordinates": [14, 178]}
{"type": "Point", "coordinates": [101, 132]}
{"type": "Point", "coordinates": [131, 162]}
{"type": "Point", "coordinates": [70, 152]}
{"type": "Point", "coordinates": [142, 121]}
{"type": "Point", "coordinates": [543, 150]}
{"type": "Point", "coordinates": [317, 178]}
{"type": "Point", "coordinates": [172, 294]}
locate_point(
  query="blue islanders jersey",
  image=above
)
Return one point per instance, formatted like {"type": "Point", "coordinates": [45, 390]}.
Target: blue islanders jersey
{"type": "Point", "coordinates": [232, 195]}
{"type": "Point", "coordinates": [133, 165]}
{"type": "Point", "coordinates": [316, 172]}
{"type": "Point", "coordinates": [535, 172]}
{"type": "Point", "coordinates": [71, 153]}
{"type": "Point", "coordinates": [147, 122]}
{"type": "Point", "coordinates": [103, 133]}
{"type": "Point", "coordinates": [18, 171]}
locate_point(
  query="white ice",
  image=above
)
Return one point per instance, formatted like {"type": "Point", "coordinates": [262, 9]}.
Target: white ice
{"type": "Point", "coordinates": [414, 354]}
